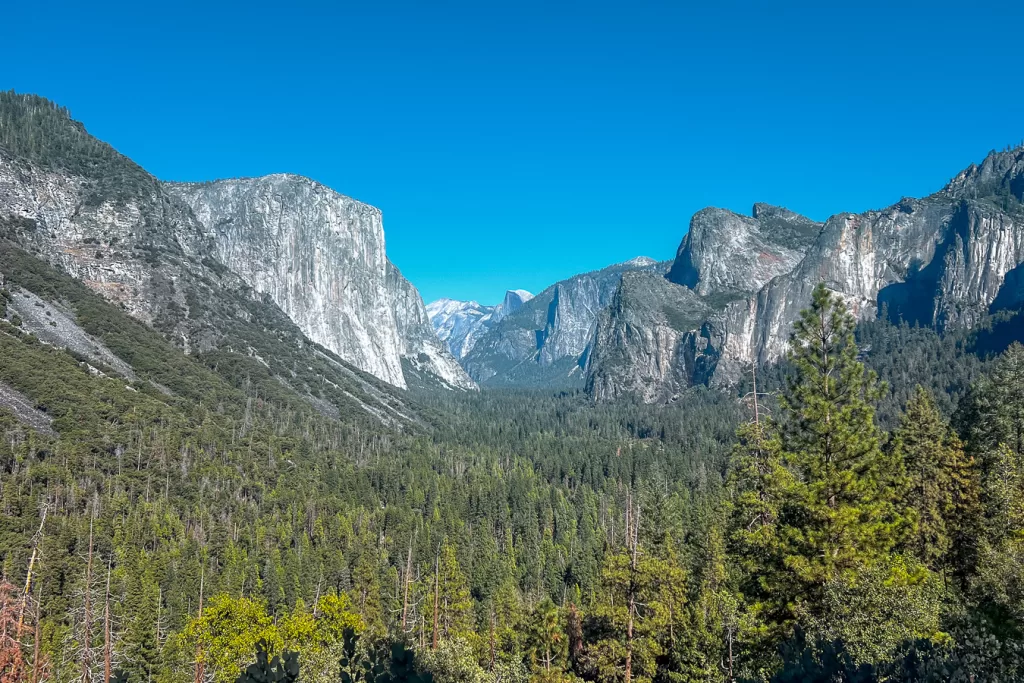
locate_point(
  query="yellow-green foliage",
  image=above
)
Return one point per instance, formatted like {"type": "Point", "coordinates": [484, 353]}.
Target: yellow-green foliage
{"type": "Point", "coordinates": [224, 638]}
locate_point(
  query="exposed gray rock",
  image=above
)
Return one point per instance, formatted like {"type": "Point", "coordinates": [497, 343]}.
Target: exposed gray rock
{"type": "Point", "coordinates": [943, 261]}
{"type": "Point", "coordinates": [320, 256]}
{"type": "Point", "coordinates": [544, 341]}
{"type": "Point", "coordinates": [724, 252]}
{"type": "Point", "coordinates": [513, 301]}
{"type": "Point", "coordinates": [25, 411]}
{"type": "Point", "coordinates": [422, 352]}
{"type": "Point", "coordinates": [651, 342]}
{"type": "Point", "coordinates": [53, 325]}
{"type": "Point", "coordinates": [136, 250]}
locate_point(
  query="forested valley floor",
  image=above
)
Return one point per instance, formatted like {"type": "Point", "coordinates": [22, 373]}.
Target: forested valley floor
{"type": "Point", "coordinates": [860, 516]}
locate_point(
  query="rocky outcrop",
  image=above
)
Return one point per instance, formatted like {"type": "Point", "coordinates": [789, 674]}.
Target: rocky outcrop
{"type": "Point", "coordinates": [724, 252]}
{"type": "Point", "coordinates": [134, 250]}
{"type": "Point", "coordinates": [945, 260]}
{"type": "Point", "coordinates": [320, 256]}
{"type": "Point", "coordinates": [513, 301]}
{"type": "Point", "coordinates": [651, 342]}
{"type": "Point", "coordinates": [544, 342]}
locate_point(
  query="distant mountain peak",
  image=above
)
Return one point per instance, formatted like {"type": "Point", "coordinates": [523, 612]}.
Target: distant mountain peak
{"type": "Point", "coordinates": [639, 262]}
{"type": "Point", "coordinates": [514, 299]}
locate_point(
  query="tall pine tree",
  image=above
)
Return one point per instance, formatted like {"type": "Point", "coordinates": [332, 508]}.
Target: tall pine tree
{"type": "Point", "coordinates": [841, 515]}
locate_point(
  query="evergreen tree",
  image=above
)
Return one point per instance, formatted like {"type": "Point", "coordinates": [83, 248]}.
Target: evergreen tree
{"type": "Point", "coordinates": [761, 484]}
{"type": "Point", "coordinates": [1001, 555]}
{"type": "Point", "coordinates": [643, 601]}
{"type": "Point", "coordinates": [841, 514]}
{"type": "Point", "coordinates": [993, 413]}
{"type": "Point", "coordinates": [942, 485]}
{"type": "Point", "coordinates": [451, 604]}
{"type": "Point", "coordinates": [548, 645]}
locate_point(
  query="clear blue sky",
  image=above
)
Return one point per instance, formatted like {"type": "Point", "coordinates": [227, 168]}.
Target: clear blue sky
{"type": "Point", "coordinates": [512, 144]}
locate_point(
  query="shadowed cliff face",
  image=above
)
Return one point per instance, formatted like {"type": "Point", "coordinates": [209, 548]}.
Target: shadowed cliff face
{"type": "Point", "coordinates": [942, 261]}
{"type": "Point", "coordinates": [320, 256]}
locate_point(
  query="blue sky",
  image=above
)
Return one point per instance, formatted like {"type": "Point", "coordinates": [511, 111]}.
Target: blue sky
{"type": "Point", "coordinates": [512, 144]}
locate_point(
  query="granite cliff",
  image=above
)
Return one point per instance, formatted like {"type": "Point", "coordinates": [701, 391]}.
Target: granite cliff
{"type": "Point", "coordinates": [74, 202]}
{"type": "Point", "coordinates": [320, 256]}
{"type": "Point", "coordinates": [739, 282]}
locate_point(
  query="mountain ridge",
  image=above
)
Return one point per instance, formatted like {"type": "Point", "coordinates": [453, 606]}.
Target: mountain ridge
{"type": "Point", "coordinates": [943, 260]}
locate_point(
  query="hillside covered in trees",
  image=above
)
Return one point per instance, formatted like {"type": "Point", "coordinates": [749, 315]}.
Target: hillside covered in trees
{"type": "Point", "coordinates": [859, 516]}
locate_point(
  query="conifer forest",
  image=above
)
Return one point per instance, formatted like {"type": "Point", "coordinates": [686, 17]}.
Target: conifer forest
{"type": "Point", "coordinates": [853, 513]}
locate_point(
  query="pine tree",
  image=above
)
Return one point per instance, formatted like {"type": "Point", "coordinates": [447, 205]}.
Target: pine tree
{"type": "Point", "coordinates": [141, 608]}
{"type": "Point", "coordinates": [454, 608]}
{"type": "Point", "coordinates": [993, 413]}
{"type": "Point", "coordinates": [760, 484]}
{"type": "Point", "coordinates": [1001, 555]}
{"type": "Point", "coordinates": [941, 487]}
{"type": "Point", "coordinates": [642, 603]}
{"type": "Point", "coordinates": [548, 643]}
{"type": "Point", "coordinates": [842, 513]}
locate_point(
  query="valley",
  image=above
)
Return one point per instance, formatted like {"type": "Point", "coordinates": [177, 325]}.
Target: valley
{"type": "Point", "coordinates": [793, 452]}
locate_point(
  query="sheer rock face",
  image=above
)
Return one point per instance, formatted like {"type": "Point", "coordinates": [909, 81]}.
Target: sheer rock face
{"type": "Point", "coordinates": [320, 256]}
{"type": "Point", "coordinates": [726, 252]}
{"type": "Point", "coordinates": [545, 341]}
{"type": "Point", "coordinates": [942, 261]}
{"type": "Point", "coordinates": [421, 350]}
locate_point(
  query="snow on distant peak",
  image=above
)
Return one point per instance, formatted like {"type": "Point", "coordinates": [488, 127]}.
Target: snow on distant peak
{"type": "Point", "coordinates": [639, 262]}
{"type": "Point", "coordinates": [448, 307]}
{"type": "Point", "coordinates": [460, 323]}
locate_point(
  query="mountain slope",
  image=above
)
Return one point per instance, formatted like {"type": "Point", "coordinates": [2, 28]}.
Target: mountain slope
{"type": "Point", "coordinates": [544, 342]}
{"type": "Point", "coordinates": [78, 205]}
{"type": "Point", "coordinates": [47, 306]}
{"type": "Point", "coordinates": [945, 260]}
